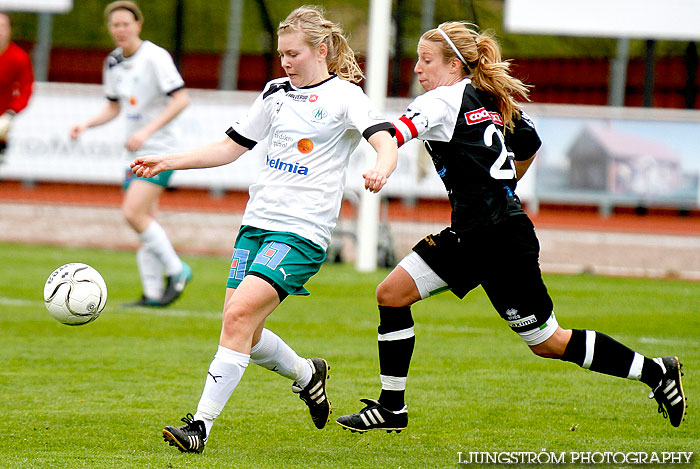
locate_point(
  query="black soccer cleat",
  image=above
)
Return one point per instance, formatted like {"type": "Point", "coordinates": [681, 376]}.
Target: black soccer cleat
{"type": "Point", "coordinates": [189, 438]}
{"type": "Point", "coordinates": [314, 394]}
{"type": "Point", "coordinates": [669, 393]}
{"type": "Point", "coordinates": [375, 417]}
{"type": "Point", "coordinates": [175, 285]}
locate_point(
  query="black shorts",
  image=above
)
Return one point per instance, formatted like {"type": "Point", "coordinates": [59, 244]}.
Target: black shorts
{"type": "Point", "coordinates": [504, 259]}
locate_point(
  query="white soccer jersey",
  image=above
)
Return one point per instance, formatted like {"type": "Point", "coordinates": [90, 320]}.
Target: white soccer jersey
{"type": "Point", "coordinates": [142, 84]}
{"type": "Point", "coordinates": [311, 133]}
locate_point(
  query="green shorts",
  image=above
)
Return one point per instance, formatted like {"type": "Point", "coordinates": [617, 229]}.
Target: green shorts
{"type": "Point", "coordinates": [161, 179]}
{"type": "Point", "coordinates": [286, 260]}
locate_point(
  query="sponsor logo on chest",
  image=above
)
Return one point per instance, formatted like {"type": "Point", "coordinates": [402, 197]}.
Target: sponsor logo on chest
{"type": "Point", "coordinates": [280, 165]}
{"type": "Point", "coordinates": [302, 98]}
{"type": "Point", "coordinates": [482, 115]}
{"type": "Point", "coordinates": [281, 139]}
{"type": "Point", "coordinates": [299, 98]}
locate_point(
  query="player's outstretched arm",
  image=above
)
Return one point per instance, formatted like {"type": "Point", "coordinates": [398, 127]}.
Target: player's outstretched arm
{"type": "Point", "coordinates": [215, 154]}
{"type": "Point", "coordinates": [106, 114]}
{"type": "Point", "coordinates": [387, 156]}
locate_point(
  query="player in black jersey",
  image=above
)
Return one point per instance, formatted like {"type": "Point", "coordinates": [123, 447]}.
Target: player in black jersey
{"type": "Point", "coordinates": [481, 144]}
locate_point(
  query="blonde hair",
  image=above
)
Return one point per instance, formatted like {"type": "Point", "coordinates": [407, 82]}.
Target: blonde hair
{"type": "Point", "coordinates": [483, 66]}
{"type": "Point", "coordinates": [124, 5]}
{"type": "Point", "coordinates": [317, 30]}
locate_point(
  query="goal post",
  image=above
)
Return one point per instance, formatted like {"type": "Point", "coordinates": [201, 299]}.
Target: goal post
{"type": "Point", "coordinates": [377, 75]}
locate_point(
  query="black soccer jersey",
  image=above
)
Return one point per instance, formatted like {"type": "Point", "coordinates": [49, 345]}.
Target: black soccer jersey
{"type": "Point", "coordinates": [464, 134]}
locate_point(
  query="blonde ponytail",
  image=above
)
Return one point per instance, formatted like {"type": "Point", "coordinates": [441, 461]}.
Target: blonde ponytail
{"type": "Point", "coordinates": [483, 66]}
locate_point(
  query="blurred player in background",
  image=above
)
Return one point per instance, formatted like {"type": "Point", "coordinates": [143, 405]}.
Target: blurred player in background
{"type": "Point", "coordinates": [141, 79]}
{"type": "Point", "coordinates": [481, 143]}
{"type": "Point", "coordinates": [312, 120]}
{"type": "Point", "coordinates": [16, 79]}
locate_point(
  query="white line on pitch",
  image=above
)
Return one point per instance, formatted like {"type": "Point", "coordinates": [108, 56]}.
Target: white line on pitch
{"type": "Point", "coordinates": [4, 301]}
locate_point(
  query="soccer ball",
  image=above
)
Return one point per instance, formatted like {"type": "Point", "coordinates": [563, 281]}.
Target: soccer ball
{"type": "Point", "coordinates": [75, 294]}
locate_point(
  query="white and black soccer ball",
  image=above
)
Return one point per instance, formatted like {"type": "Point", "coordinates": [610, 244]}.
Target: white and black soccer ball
{"type": "Point", "coordinates": [75, 294]}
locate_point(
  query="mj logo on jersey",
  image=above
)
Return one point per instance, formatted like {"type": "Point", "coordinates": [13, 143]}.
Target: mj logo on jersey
{"type": "Point", "coordinates": [318, 114]}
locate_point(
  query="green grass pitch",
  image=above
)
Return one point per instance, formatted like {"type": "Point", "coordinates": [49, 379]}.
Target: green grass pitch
{"type": "Point", "coordinates": [98, 395]}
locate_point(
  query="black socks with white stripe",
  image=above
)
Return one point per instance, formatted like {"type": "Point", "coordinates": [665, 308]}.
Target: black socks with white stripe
{"type": "Point", "coordinates": [596, 351]}
{"type": "Point", "coordinates": [395, 341]}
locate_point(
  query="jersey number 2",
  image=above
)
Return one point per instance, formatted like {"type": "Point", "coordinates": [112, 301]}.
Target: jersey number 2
{"type": "Point", "coordinates": [497, 171]}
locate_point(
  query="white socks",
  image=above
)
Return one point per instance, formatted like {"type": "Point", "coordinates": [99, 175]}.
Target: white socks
{"type": "Point", "coordinates": [151, 272]}
{"type": "Point", "coordinates": [225, 372]}
{"type": "Point", "coordinates": [273, 353]}
{"type": "Point", "coordinates": [228, 366]}
{"type": "Point", "coordinates": [156, 241]}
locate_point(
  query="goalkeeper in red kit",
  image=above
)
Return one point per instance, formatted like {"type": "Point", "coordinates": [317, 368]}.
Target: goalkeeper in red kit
{"type": "Point", "coordinates": [16, 79]}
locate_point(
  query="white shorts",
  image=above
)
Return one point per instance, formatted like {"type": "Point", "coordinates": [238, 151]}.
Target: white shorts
{"type": "Point", "coordinates": [427, 281]}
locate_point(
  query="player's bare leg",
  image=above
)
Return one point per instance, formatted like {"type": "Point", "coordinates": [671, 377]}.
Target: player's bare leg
{"type": "Point", "coordinates": [245, 309]}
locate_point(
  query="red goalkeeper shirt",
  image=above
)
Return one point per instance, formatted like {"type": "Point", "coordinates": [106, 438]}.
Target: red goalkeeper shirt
{"type": "Point", "coordinates": [16, 78]}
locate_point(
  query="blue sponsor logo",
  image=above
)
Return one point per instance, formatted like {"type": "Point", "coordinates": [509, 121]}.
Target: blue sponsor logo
{"type": "Point", "coordinates": [280, 165]}
{"type": "Point", "coordinates": [442, 172]}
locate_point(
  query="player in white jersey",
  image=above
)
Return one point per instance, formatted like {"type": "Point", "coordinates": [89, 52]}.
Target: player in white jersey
{"type": "Point", "coordinates": [312, 135]}
{"type": "Point", "coordinates": [481, 144]}
{"type": "Point", "coordinates": [312, 121]}
{"type": "Point", "coordinates": [141, 79]}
